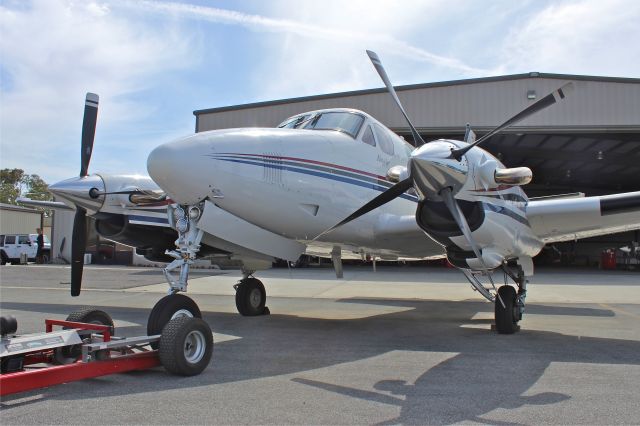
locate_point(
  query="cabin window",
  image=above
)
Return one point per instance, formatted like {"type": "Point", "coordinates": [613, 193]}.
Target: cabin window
{"type": "Point", "coordinates": [10, 239]}
{"type": "Point", "coordinates": [384, 139]}
{"type": "Point", "coordinates": [367, 136]}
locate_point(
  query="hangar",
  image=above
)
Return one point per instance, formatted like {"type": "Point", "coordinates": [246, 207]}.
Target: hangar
{"type": "Point", "coordinates": [590, 143]}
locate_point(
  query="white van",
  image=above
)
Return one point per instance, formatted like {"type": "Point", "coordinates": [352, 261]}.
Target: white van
{"type": "Point", "coordinates": [13, 245]}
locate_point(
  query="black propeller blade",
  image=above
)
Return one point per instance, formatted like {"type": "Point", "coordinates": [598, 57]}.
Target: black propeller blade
{"type": "Point", "coordinates": [78, 244]}
{"type": "Point", "coordinates": [79, 236]}
{"type": "Point", "coordinates": [394, 192]}
{"type": "Point", "coordinates": [88, 131]}
{"type": "Point", "coordinates": [458, 216]}
{"type": "Point", "coordinates": [552, 98]}
{"type": "Point", "coordinates": [383, 74]}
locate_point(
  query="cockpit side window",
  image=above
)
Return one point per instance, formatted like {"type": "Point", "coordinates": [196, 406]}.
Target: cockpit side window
{"type": "Point", "coordinates": [346, 122]}
{"type": "Point", "coordinates": [293, 122]}
{"type": "Point", "coordinates": [384, 140]}
{"type": "Point", "coordinates": [367, 136]}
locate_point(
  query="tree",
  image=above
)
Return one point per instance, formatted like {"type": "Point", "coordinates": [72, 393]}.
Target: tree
{"type": "Point", "coordinates": [15, 183]}
{"type": "Point", "coordinates": [37, 189]}
{"type": "Point", "coordinates": [10, 185]}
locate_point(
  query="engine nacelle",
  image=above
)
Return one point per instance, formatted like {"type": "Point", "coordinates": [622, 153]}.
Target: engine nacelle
{"type": "Point", "coordinates": [150, 241]}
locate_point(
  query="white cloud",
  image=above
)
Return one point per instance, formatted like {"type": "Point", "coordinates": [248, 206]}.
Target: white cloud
{"type": "Point", "coordinates": [318, 47]}
{"type": "Point", "coordinates": [578, 37]}
{"type": "Point", "coordinates": [327, 26]}
{"type": "Point", "coordinates": [53, 51]}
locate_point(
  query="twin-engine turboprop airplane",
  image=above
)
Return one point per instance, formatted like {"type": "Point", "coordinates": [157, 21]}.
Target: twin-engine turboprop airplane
{"type": "Point", "coordinates": [282, 191]}
{"type": "Point", "coordinates": [312, 186]}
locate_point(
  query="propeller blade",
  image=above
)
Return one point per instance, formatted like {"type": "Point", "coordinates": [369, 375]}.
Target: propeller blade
{"type": "Point", "coordinates": [454, 209]}
{"type": "Point", "coordinates": [552, 98]}
{"type": "Point", "coordinates": [394, 192]}
{"type": "Point", "coordinates": [88, 131]}
{"type": "Point", "coordinates": [78, 245]}
{"type": "Point", "coordinates": [383, 75]}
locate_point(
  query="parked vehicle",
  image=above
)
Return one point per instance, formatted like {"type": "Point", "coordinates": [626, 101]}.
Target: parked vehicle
{"type": "Point", "coordinates": [14, 245]}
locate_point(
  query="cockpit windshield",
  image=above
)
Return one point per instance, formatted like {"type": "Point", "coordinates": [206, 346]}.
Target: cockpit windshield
{"type": "Point", "coordinates": [342, 121]}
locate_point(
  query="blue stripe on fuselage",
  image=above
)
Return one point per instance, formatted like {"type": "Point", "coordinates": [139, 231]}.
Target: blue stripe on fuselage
{"type": "Point", "coordinates": [319, 174]}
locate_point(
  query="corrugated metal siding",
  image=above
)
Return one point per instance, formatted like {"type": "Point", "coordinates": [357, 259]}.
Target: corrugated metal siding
{"type": "Point", "coordinates": [18, 222]}
{"type": "Point", "coordinates": [593, 105]}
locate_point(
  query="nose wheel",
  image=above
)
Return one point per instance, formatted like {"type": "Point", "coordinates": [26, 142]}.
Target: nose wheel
{"type": "Point", "coordinates": [171, 307]}
{"type": "Point", "coordinates": [251, 297]}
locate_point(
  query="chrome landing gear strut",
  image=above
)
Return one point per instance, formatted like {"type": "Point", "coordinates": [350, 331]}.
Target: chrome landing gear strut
{"type": "Point", "coordinates": [184, 220]}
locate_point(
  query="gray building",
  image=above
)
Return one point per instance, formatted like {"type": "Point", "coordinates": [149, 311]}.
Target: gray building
{"type": "Point", "coordinates": [588, 143]}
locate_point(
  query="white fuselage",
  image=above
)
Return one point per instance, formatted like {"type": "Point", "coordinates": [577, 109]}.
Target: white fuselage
{"type": "Point", "coordinates": [296, 183]}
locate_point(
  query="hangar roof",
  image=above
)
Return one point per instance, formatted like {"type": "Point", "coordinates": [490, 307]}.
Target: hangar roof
{"type": "Point", "coordinates": [603, 102]}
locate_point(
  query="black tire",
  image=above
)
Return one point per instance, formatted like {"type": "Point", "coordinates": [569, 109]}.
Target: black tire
{"type": "Point", "coordinates": [3, 258]}
{"type": "Point", "coordinates": [168, 308]}
{"type": "Point", "coordinates": [506, 317]}
{"type": "Point", "coordinates": [92, 316]}
{"type": "Point", "coordinates": [251, 297]}
{"type": "Point", "coordinates": [69, 354]}
{"type": "Point", "coordinates": [8, 325]}
{"type": "Point", "coordinates": [186, 346]}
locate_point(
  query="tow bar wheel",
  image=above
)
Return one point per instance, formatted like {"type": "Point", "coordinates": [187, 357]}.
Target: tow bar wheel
{"type": "Point", "coordinates": [186, 346]}
{"type": "Point", "coordinates": [89, 315]}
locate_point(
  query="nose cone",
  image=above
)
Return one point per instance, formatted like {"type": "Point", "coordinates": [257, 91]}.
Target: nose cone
{"type": "Point", "coordinates": [75, 192]}
{"type": "Point", "coordinates": [174, 166]}
{"type": "Point", "coordinates": [433, 170]}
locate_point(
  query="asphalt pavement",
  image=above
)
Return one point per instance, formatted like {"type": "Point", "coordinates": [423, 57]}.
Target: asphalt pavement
{"type": "Point", "coordinates": [400, 346]}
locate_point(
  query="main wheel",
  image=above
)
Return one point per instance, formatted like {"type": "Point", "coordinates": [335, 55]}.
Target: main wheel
{"type": "Point", "coordinates": [506, 317]}
{"type": "Point", "coordinates": [69, 354]}
{"type": "Point", "coordinates": [168, 308]}
{"type": "Point", "coordinates": [186, 345]}
{"type": "Point", "coordinates": [251, 297]}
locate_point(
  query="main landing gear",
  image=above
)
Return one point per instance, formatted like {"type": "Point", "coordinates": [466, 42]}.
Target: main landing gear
{"type": "Point", "coordinates": [509, 306]}
{"type": "Point", "coordinates": [251, 297]}
{"type": "Point", "coordinates": [508, 303]}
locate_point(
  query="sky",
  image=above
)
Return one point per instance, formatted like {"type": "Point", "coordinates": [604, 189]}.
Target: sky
{"type": "Point", "coordinates": [154, 62]}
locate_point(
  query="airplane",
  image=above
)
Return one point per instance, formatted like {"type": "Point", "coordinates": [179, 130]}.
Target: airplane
{"type": "Point", "coordinates": [337, 183]}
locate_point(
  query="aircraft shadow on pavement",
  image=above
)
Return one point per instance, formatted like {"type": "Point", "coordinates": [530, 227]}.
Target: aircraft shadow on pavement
{"type": "Point", "coordinates": [487, 372]}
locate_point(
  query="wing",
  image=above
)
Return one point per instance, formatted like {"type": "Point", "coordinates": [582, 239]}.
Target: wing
{"type": "Point", "coordinates": [55, 205]}
{"type": "Point", "coordinates": [568, 219]}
